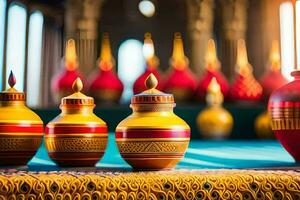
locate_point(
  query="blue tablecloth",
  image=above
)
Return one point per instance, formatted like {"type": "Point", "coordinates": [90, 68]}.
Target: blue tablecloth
{"type": "Point", "coordinates": [200, 155]}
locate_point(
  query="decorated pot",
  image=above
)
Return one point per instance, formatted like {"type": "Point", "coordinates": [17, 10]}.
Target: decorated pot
{"type": "Point", "coordinates": [284, 110]}
{"type": "Point", "coordinates": [152, 137]}
{"type": "Point", "coordinates": [76, 137]}
{"type": "Point", "coordinates": [21, 130]}
{"type": "Point", "coordinates": [214, 122]}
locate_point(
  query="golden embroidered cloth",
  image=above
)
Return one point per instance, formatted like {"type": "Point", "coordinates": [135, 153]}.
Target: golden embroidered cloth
{"type": "Point", "coordinates": [179, 184]}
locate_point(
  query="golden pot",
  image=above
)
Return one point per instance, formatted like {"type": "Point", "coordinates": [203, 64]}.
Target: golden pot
{"type": "Point", "coordinates": [76, 137]}
{"type": "Point", "coordinates": [21, 130]}
{"type": "Point", "coordinates": [152, 137]}
{"type": "Point", "coordinates": [214, 122]}
{"type": "Point", "coordinates": [262, 126]}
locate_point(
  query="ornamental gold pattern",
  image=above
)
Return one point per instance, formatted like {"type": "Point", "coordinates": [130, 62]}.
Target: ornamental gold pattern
{"type": "Point", "coordinates": [77, 144]}
{"type": "Point", "coordinates": [212, 184]}
{"type": "Point", "coordinates": [146, 147]}
{"type": "Point", "coordinates": [285, 118]}
{"type": "Point", "coordinates": [20, 142]}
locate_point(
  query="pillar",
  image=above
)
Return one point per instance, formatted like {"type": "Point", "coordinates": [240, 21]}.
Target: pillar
{"type": "Point", "coordinates": [200, 29]}
{"type": "Point", "coordinates": [234, 26]}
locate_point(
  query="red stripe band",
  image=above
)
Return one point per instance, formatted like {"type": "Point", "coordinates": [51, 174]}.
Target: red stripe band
{"type": "Point", "coordinates": [21, 128]}
{"type": "Point", "coordinates": [284, 104]}
{"type": "Point", "coordinates": [156, 133]}
{"type": "Point", "coordinates": [76, 129]}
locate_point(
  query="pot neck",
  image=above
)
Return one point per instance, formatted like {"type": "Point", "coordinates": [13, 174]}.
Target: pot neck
{"type": "Point", "coordinates": [153, 108]}
{"type": "Point", "coordinates": [83, 110]}
{"type": "Point", "coordinates": [12, 103]}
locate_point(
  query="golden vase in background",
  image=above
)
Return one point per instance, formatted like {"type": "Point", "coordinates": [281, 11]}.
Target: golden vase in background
{"type": "Point", "coordinates": [214, 122]}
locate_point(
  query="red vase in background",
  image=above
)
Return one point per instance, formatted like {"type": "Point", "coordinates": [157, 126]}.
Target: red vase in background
{"type": "Point", "coordinates": [284, 109]}
{"type": "Point", "coordinates": [245, 87]}
{"type": "Point", "coordinates": [62, 83]}
{"type": "Point", "coordinates": [212, 70]}
{"type": "Point", "coordinates": [273, 77]}
{"type": "Point", "coordinates": [106, 87]}
{"type": "Point", "coordinates": [180, 81]}
{"type": "Point", "coordinates": [152, 63]}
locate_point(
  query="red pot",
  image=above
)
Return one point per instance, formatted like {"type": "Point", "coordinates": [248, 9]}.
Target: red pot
{"type": "Point", "coordinates": [284, 109]}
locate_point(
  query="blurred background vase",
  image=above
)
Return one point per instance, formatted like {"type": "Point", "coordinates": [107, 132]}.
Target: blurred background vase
{"type": "Point", "coordinates": [212, 70]}
{"type": "Point", "coordinates": [152, 63]}
{"type": "Point", "coordinates": [180, 81]}
{"type": "Point", "coordinates": [106, 86]}
{"type": "Point", "coordinates": [62, 82]}
{"type": "Point", "coordinates": [214, 122]}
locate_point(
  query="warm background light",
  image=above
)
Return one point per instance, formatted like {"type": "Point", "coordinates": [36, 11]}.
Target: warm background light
{"type": "Point", "coordinates": [287, 39]}
{"type": "Point", "coordinates": [147, 8]}
{"type": "Point", "coordinates": [148, 47]}
{"type": "Point", "coordinates": [106, 60]}
{"type": "Point", "coordinates": [242, 63]}
{"type": "Point", "coordinates": [211, 58]}
{"type": "Point", "coordinates": [275, 56]}
{"type": "Point", "coordinates": [178, 56]}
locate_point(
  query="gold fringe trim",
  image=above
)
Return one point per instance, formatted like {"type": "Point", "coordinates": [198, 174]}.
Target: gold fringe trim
{"type": "Point", "coordinates": [216, 184]}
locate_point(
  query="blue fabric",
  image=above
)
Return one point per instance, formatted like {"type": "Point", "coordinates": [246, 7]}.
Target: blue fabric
{"type": "Point", "coordinates": [200, 155]}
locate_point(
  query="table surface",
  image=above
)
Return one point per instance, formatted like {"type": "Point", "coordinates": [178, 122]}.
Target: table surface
{"type": "Point", "coordinates": [202, 154]}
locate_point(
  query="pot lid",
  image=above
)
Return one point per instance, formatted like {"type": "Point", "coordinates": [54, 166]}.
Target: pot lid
{"type": "Point", "coordinates": [11, 94]}
{"type": "Point", "coordinates": [77, 98]}
{"type": "Point", "coordinates": [152, 95]}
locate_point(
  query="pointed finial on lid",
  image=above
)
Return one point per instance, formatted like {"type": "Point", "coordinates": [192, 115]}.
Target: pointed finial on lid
{"type": "Point", "coordinates": [151, 82]}
{"type": "Point", "coordinates": [214, 95]}
{"type": "Point", "coordinates": [213, 86]}
{"type": "Point", "coordinates": [12, 79]}
{"type": "Point", "coordinates": [77, 85]}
